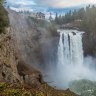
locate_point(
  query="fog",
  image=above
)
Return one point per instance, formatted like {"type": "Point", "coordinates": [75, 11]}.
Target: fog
{"type": "Point", "coordinates": [61, 79]}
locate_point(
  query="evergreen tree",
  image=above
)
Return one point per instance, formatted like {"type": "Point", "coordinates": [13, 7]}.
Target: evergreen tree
{"type": "Point", "coordinates": [50, 18]}
{"type": "Point", "coordinates": [56, 19]}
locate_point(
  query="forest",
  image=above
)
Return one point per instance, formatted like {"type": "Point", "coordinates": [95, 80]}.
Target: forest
{"type": "Point", "coordinates": [86, 16]}
{"type": "Point", "coordinates": [4, 22]}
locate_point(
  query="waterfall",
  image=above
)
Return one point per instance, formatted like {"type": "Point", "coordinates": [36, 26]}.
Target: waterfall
{"type": "Point", "coordinates": [71, 64]}
{"type": "Point", "coordinates": [70, 50]}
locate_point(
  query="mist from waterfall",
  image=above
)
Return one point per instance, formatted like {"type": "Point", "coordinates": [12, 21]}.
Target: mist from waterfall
{"type": "Point", "coordinates": [71, 64]}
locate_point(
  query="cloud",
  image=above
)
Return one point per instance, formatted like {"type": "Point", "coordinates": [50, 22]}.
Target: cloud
{"type": "Point", "coordinates": [21, 2]}
{"type": "Point", "coordinates": [52, 3]}
{"type": "Point", "coordinates": [64, 3]}
{"type": "Point", "coordinates": [25, 2]}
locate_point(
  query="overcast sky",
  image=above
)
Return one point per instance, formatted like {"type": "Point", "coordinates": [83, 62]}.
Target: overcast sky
{"type": "Point", "coordinates": [52, 3]}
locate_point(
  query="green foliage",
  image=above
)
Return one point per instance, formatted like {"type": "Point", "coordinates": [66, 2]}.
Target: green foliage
{"type": "Point", "coordinates": [4, 22]}
{"type": "Point", "coordinates": [26, 93]}
{"type": "Point", "coordinates": [12, 92]}
{"type": "Point", "coordinates": [40, 94]}
{"type": "Point", "coordinates": [63, 19]}
{"type": "Point", "coordinates": [87, 15]}
{"type": "Point", "coordinates": [84, 87]}
{"type": "Point", "coordinates": [57, 19]}
{"type": "Point", "coordinates": [2, 86]}
{"type": "Point", "coordinates": [43, 90]}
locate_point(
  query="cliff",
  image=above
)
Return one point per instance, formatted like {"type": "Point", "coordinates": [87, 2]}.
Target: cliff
{"type": "Point", "coordinates": [13, 70]}
{"type": "Point", "coordinates": [8, 62]}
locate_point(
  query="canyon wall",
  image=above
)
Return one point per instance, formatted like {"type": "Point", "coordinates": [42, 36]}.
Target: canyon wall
{"type": "Point", "coordinates": [8, 61]}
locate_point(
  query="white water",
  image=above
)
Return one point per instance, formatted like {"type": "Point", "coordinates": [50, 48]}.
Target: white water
{"type": "Point", "coordinates": [70, 49]}
{"type": "Point", "coordinates": [71, 64]}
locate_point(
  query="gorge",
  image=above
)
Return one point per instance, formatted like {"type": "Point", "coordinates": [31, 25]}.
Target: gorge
{"type": "Point", "coordinates": [58, 55]}
{"type": "Point", "coordinates": [35, 52]}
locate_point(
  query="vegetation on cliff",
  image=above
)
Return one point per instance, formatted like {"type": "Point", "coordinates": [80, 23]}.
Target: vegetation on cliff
{"type": "Point", "coordinates": [25, 90]}
{"type": "Point", "coordinates": [4, 22]}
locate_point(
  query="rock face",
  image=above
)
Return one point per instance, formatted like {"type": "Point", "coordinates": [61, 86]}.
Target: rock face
{"type": "Point", "coordinates": [11, 69]}
{"type": "Point", "coordinates": [16, 49]}
{"type": "Point", "coordinates": [8, 62]}
{"type": "Point", "coordinates": [89, 43]}
{"type": "Point", "coordinates": [29, 75]}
